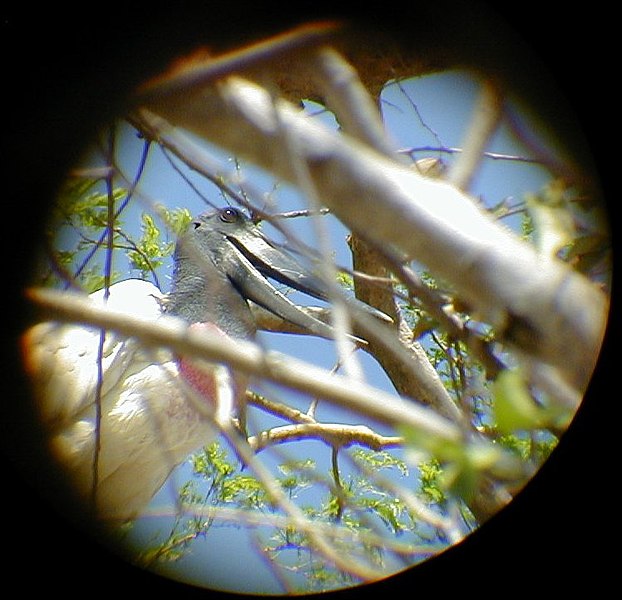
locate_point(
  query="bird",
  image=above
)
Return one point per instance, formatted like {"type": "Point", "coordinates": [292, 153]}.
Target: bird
{"type": "Point", "coordinates": [122, 416]}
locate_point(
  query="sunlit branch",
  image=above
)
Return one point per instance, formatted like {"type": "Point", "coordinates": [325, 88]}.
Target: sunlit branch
{"type": "Point", "coordinates": [485, 120]}
{"type": "Point", "coordinates": [405, 363]}
{"type": "Point", "coordinates": [277, 409]}
{"type": "Point", "coordinates": [333, 434]}
{"type": "Point", "coordinates": [249, 358]}
{"type": "Point", "coordinates": [536, 304]}
{"type": "Point", "coordinates": [292, 214]}
{"type": "Point", "coordinates": [340, 319]}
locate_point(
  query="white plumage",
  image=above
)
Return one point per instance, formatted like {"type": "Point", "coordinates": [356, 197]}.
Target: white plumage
{"type": "Point", "coordinates": [149, 424]}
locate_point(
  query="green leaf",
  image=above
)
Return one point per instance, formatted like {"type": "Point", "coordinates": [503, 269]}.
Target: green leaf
{"type": "Point", "coordinates": [244, 491]}
{"type": "Point", "coordinates": [381, 460]}
{"type": "Point", "coordinates": [429, 477]}
{"type": "Point", "coordinates": [552, 219]}
{"type": "Point", "coordinates": [463, 462]}
{"type": "Point", "coordinates": [150, 249]}
{"type": "Point", "coordinates": [345, 280]}
{"type": "Point", "coordinates": [176, 219]}
{"type": "Point", "coordinates": [514, 408]}
{"type": "Point", "coordinates": [424, 324]}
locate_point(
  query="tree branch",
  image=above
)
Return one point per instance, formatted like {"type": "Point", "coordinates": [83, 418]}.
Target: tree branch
{"type": "Point", "coordinates": [278, 409]}
{"type": "Point", "coordinates": [407, 365]}
{"type": "Point", "coordinates": [537, 304]}
{"type": "Point", "coordinates": [491, 155]}
{"type": "Point", "coordinates": [486, 117]}
{"type": "Point", "coordinates": [249, 358]}
{"type": "Point", "coordinates": [333, 434]}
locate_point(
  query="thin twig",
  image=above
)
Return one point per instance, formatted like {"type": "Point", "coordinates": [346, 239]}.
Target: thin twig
{"type": "Point", "coordinates": [130, 192]}
{"type": "Point", "coordinates": [292, 214]}
{"type": "Point", "coordinates": [278, 409]}
{"type": "Point", "coordinates": [415, 108]}
{"type": "Point", "coordinates": [109, 236]}
{"type": "Point", "coordinates": [334, 460]}
{"type": "Point", "coordinates": [450, 150]}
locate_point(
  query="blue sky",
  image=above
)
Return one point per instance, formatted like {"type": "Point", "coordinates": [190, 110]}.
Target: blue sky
{"type": "Point", "coordinates": [444, 105]}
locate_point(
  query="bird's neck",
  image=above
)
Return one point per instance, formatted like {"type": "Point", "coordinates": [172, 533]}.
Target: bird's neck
{"type": "Point", "coordinates": [202, 293]}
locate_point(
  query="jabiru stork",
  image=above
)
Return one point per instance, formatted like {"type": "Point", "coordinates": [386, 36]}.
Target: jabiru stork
{"type": "Point", "coordinates": [148, 424]}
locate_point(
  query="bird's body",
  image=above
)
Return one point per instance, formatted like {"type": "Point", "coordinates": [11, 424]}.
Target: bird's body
{"type": "Point", "coordinates": [148, 423]}
{"type": "Point", "coordinates": [154, 408]}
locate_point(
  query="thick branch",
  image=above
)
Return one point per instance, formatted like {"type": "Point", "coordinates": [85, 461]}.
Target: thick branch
{"type": "Point", "coordinates": [537, 304]}
{"type": "Point", "coordinates": [249, 358]}
{"type": "Point", "coordinates": [359, 117]}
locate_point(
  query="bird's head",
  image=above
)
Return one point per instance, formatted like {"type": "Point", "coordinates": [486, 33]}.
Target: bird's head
{"type": "Point", "coordinates": [224, 259]}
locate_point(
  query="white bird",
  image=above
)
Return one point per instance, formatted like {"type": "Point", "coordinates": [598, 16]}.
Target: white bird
{"type": "Point", "coordinates": [148, 422]}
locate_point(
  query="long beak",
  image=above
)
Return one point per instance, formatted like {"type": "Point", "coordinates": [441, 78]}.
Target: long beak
{"type": "Point", "coordinates": [257, 258]}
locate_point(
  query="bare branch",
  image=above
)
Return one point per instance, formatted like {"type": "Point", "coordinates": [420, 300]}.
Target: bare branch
{"type": "Point", "coordinates": [191, 74]}
{"type": "Point", "coordinates": [486, 117]}
{"type": "Point", "coordinates": [278, 409]}
{"type": "Point", "coordinates": [449, 150]}
{"type": "Point", "coordinates": [351, 103]}
{"type": "Point", "coordinates": [536, 304]}
{"type": "Point", "coordinates": [405, 362]}
{"type": "Point", "coordinates": [333, 434]}
{"type": "Point", "coordinates": [249, 358]}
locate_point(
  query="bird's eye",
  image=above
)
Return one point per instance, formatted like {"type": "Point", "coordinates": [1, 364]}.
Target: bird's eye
{"type": "Point", "coordinates": [229, 215]}
{"type": "Point", "coordinates": [196, 224]}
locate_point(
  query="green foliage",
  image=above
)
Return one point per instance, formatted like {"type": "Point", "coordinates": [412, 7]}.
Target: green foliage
{"type": "Point", "coordinates": [81, 204]}
{"type": "Point", "coordinates": [526, 225]}
{"type": "Point", "coordinates": [572, 226]}
{"type": "Point", "coordinates": [381, 460]}
{"type": "Point", "coordinates": [429, 475]}
{"type": "Point", "coordinates": [150, 250]}
{"type": "Point", "coordinates": [515, 408]}
{"type": "Point", "coordinates": [553, 223]}
{"type": "Point", "coordinates": [529, 447]}
{"type": "Point", "coordinates": [175, 219]}
{"type": "Point", "coordinates": [368, 496]}
{"type": "Point", "coordinates": [78, 235]}
{"type": "Point", "coordinates": [358, 505]}
{"type": "Point", "coordinates": [462, 462]}
{"type": "Point", "coordinates": [345, 280]}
